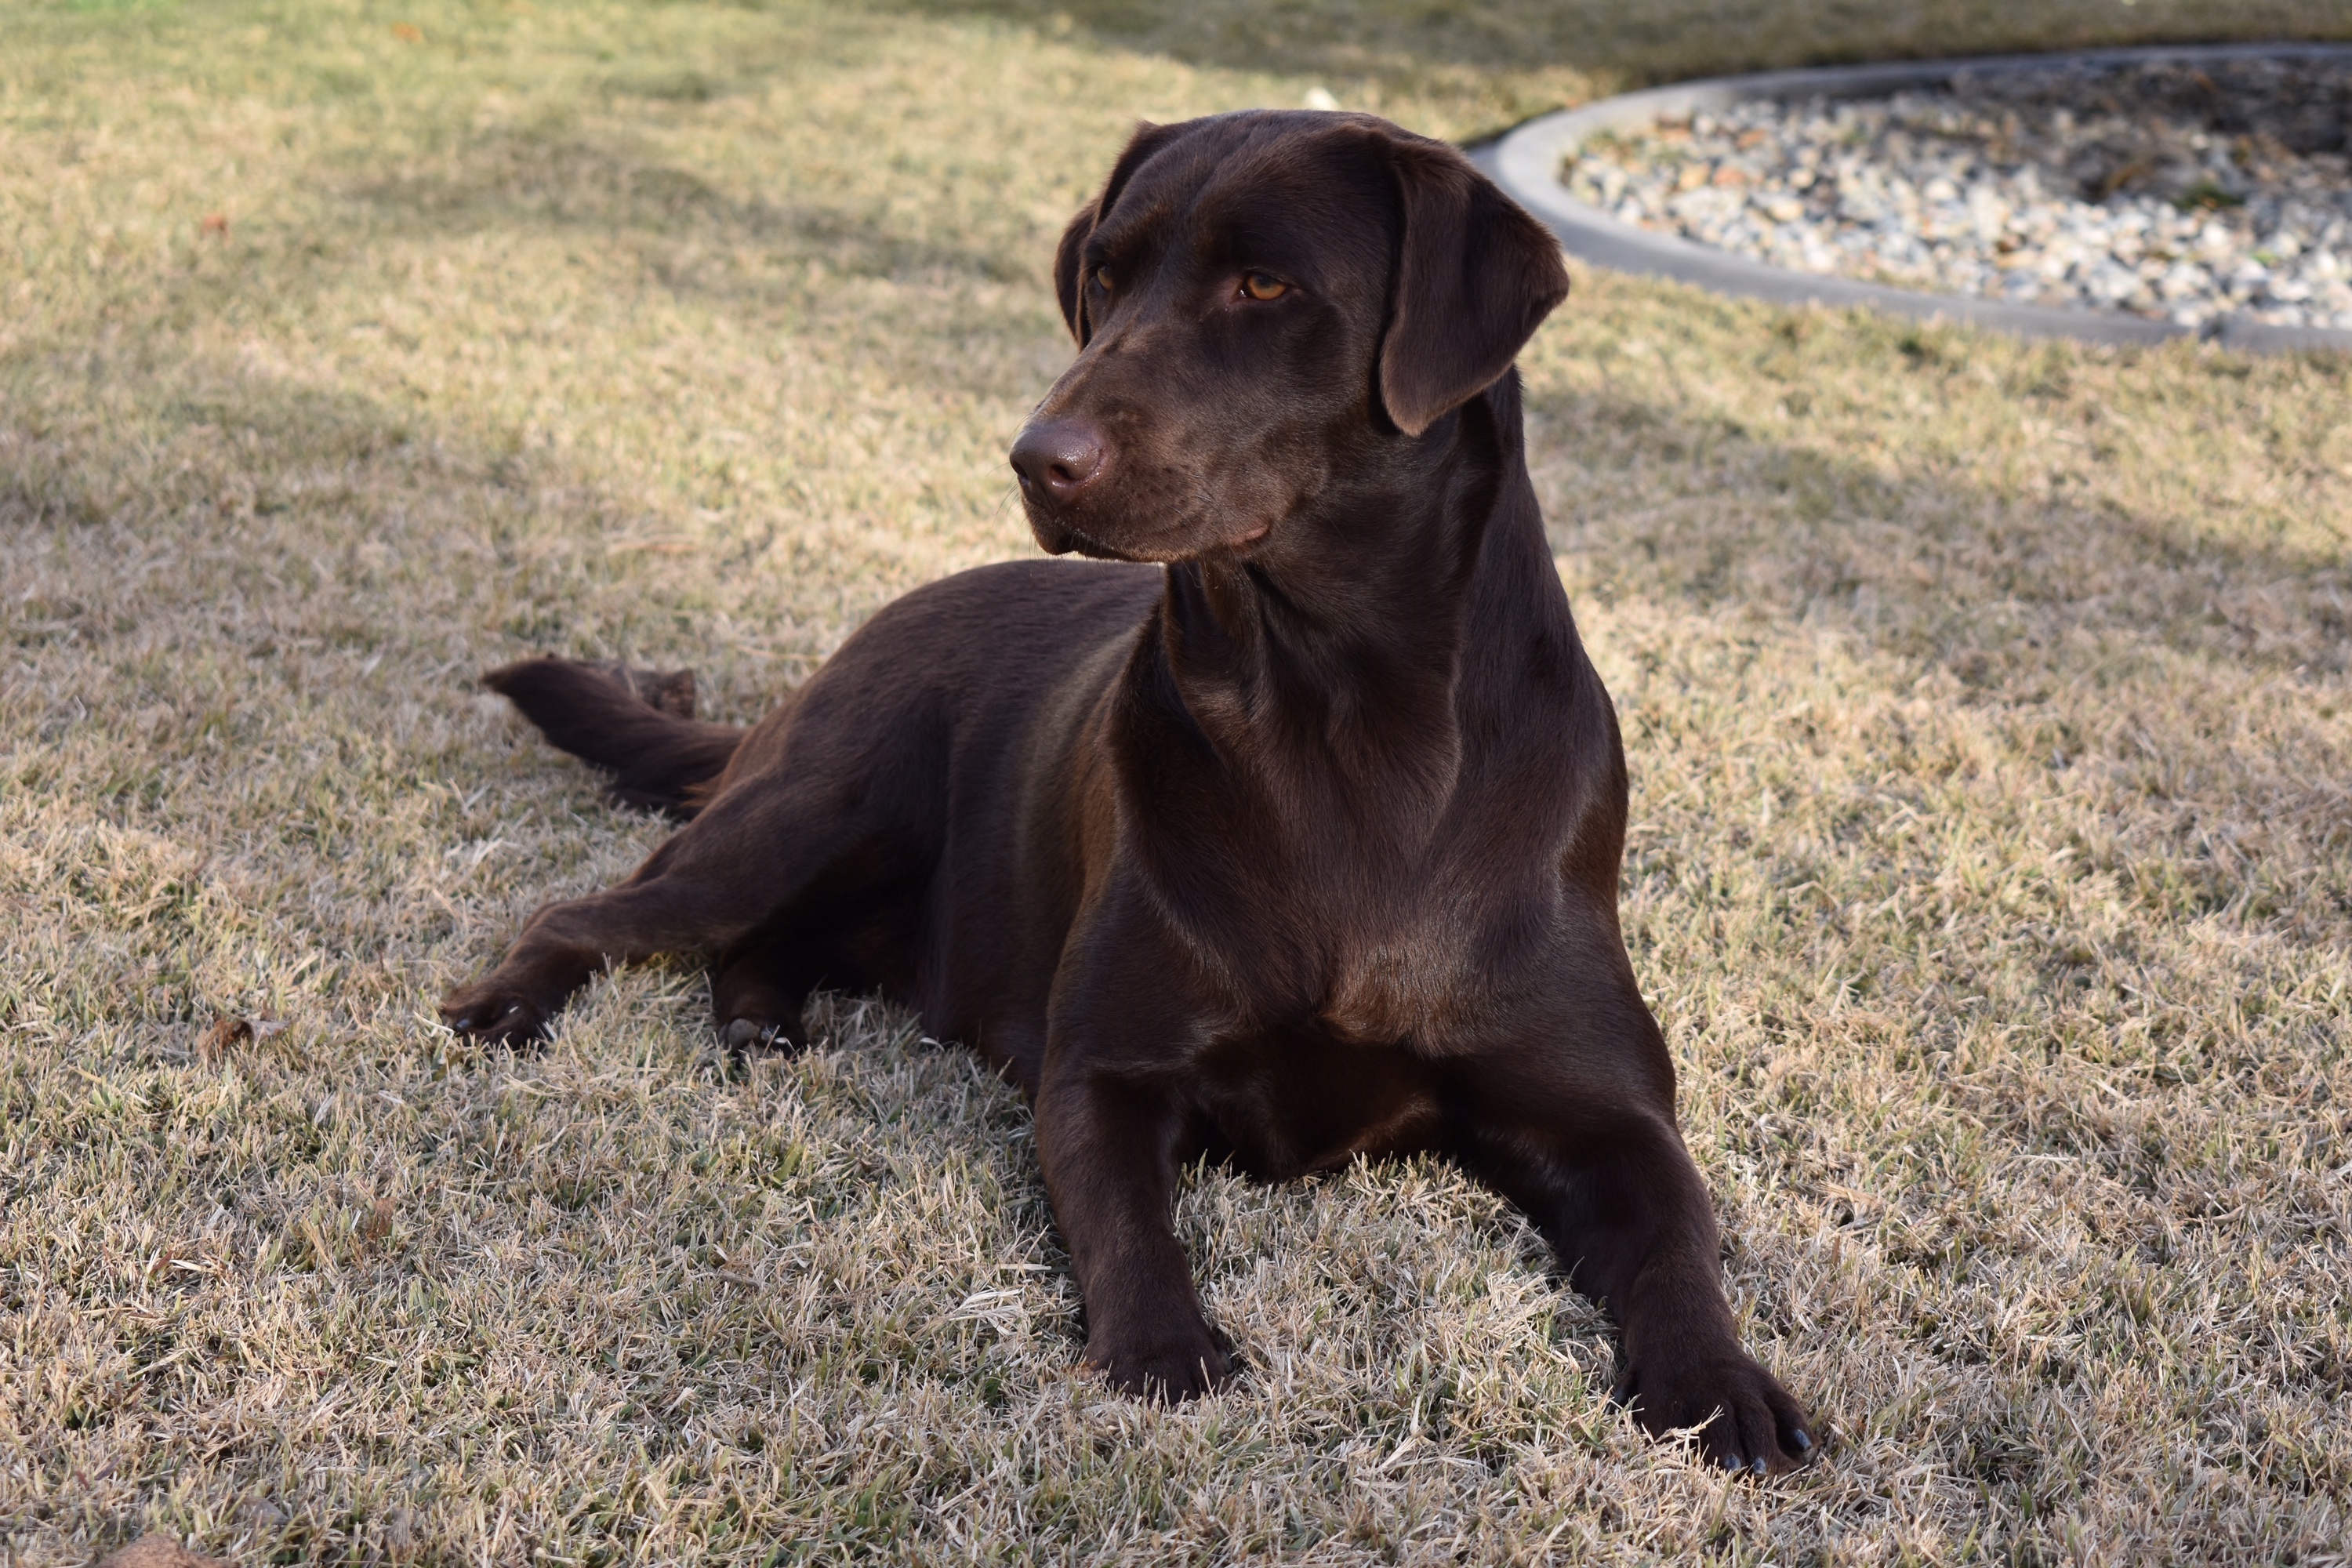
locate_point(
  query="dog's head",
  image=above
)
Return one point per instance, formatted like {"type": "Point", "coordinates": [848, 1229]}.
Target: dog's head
{"type": "Point", "coordinates": [1265, 303]}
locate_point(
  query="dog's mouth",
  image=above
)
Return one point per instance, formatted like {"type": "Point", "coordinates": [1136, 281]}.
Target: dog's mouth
{"type": "Point", "coordinates": [1086, 545]}
{"type": "Point", "coordinates": [1056, 536]}
{"type": "Point", "coordinates": [1059, 536]}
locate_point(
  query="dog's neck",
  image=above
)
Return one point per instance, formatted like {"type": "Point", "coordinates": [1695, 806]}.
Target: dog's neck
{"type": "Point", "coordinates": [1348, 648]}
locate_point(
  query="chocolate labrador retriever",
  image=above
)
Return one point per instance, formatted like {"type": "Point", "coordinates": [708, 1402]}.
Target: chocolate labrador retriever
{"type": "Point", "coordinates": [1291, 835]}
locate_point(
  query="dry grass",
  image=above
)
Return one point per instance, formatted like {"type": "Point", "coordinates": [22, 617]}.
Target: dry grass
{"type": "Point", "coordinates": [1991, 731]}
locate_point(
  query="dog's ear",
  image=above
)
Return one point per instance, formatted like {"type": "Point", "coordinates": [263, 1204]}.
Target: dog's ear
{"type": "Point", "coordinates": [1069, 283]}
{"type": "Point", "coordinates": [1474, 275]}
{"type": "Point", "coordinates": [1069, 257]}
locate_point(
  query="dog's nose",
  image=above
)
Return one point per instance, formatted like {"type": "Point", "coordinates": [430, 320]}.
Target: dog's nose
{"type": "Point", "coordinates": [1057, 458]}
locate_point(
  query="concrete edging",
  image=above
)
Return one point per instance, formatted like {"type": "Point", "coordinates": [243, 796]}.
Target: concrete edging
{"type": "Point", "coordinates": [1526, 161]}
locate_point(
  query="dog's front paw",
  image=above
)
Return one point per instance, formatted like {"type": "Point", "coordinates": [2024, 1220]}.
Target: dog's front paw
{"type": "Point", "coordinates": [1182, 1366]}
{"type": "Point", "coordinates": [748, 1034]}
{"type": "Point", "coordinates": [1747, 1421]}
{"type": "Point", "coordinates": [751, 1034]}
{"type": "Point", "coordinates": [498, 1013]}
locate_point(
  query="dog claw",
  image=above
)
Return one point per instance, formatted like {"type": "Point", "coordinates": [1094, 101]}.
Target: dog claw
{"type": "Point", "coordinates": [1804, 1444]}
{"type": "Point", "coordinates": [742, 1034]}
{"type": "Point", "coordinates": [508, 1020]}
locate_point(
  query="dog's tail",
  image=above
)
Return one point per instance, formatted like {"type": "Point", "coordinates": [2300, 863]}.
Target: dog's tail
{"type": "Point", "coordinates": [637, 725]}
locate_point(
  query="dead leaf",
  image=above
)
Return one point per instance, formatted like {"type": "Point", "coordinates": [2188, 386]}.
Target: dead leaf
{"type": "Point", "coordinates": [261, 1514]}
{"type": "Point", "coordinates": [408, 33]}
{"type": "Point", "coordinates": [215, 223]}
{"type": "Point", "coordinates": [226, 1034]}
{"type": "Point", "coordinates": [157, 1550]}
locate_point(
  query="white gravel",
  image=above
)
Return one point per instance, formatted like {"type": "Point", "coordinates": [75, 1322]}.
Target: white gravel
{"type": "Point", "coordinates": [2162, 190]}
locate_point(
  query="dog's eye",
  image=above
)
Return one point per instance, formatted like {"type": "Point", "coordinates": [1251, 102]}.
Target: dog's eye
{"type": "Point", "coordinates": [1264, 286]}
{"type": "Point", "coordinates": [1102, 279]}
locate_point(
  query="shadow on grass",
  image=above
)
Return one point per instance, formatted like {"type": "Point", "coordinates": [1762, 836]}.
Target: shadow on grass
{"type": "Point", "coordinates": [1981, 583]}
{"type": "Point", "coordinates": [512, 182]}
{"type": "Point", "coordinates": [1620, 44]}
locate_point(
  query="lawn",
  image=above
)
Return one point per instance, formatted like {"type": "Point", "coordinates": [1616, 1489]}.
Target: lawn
{"type": "Point", "coordinates": [1988, 706]}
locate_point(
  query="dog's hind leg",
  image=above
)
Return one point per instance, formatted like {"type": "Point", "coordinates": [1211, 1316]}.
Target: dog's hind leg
{"type": "Point", "coordinates": [756, 852]}
{"type": "Point", "coordinates": [760, 989]}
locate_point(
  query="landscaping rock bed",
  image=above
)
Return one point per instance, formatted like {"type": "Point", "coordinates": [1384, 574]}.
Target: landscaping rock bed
{"type": "Point", "coordinates": [2174, 189]}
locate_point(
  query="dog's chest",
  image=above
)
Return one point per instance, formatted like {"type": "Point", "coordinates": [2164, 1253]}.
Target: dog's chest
{"type": "Point", "coordinates": [1359, 1073]}
{"type": "Point", "coordinates": [1428, 976]}
{"type": "Point", "coordinates": [1286, 1102]}
{"type": "Point", "coordinates": [1412, 993]}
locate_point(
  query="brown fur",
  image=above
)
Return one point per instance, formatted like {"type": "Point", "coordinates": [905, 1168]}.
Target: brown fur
{"type": "Point", "coordinates": [1290, 836]}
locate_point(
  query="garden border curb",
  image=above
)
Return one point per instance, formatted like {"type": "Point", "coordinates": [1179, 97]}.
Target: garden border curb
{"type": "Point", "coordinates": [1525, 160]}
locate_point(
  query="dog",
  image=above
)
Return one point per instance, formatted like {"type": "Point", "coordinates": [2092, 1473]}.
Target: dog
{"type": "Point", "coordinates": [1288, 832]}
